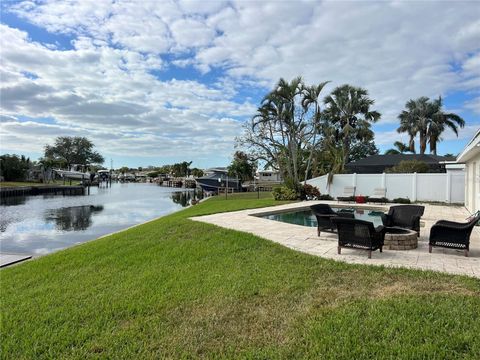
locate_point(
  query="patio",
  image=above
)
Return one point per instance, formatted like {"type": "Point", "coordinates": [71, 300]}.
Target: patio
{"type": "Point", "coordinates": [305, 239]}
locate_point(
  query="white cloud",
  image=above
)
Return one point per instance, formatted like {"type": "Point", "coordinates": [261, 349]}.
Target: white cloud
{"type": "Point", "coordinates": [397, 50]}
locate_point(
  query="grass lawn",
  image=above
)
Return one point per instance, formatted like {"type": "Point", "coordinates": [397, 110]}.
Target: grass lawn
{"type": "Point", "coordinates": [26, 183]}
{"type": "Point", "coordinates": [174, 288]}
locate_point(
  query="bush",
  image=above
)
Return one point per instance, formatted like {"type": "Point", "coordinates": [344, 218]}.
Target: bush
{"type": "Point", "coordinates": [409, 166]}
{"type": "Point", "coordinates": [401, 201]}
{"type": "Point", "coordinates": [14, 167]}
{"type": "Point", "coordinates": [284, 193]}
{"type": "Point", "coordinates": [324, 197]}
{"type": "Point", "coordinates": [310, 191]}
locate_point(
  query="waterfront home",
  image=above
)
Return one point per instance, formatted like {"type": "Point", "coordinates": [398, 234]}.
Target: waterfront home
{"type": "Point", "coordinates": [269, 175]}
{"type": "Point", "coordinates": [471, 157]}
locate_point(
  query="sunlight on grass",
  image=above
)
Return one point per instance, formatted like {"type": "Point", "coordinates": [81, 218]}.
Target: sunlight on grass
{"type": "Point", "coordinates": [176, 288]}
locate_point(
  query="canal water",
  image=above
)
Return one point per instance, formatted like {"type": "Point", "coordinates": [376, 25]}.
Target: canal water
{"type": "Point", "coordinates": [38, 225]}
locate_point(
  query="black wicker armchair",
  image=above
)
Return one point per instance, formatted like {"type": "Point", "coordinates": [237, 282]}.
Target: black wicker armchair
{"type": "Point", "coordinates": [404, 216]}
{"type": "Point", "coordinates": [359, 234]}
{"type": "Point", "coordinates": [453, 235]}
{"type": "Point", "coordinates": [324, 214]}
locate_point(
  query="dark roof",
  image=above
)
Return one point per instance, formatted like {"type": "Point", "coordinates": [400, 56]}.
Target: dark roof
{"type": "Point", "coordinates": [377, 164]}
{"type": "Point", "coordinates": [394, 159]}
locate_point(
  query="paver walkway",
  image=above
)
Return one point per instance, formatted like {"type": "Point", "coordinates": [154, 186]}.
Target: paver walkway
{"type": "Point", "coordinates": [305, 239]}
{"type": "Point", "coordinates": [10, 259]}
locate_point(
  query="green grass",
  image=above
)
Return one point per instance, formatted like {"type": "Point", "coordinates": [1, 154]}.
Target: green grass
{"type": "Point", "coordinates": [174, 288]}
{"type": "Point", "coordinates": [27, 183]}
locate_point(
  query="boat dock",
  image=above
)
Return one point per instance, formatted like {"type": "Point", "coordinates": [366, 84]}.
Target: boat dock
{"type": "Point", "coordinates": [179, 182]}
{"type": "Point", "coordinates": [37, 190]}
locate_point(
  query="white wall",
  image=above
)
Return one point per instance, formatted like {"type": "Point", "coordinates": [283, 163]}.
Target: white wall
{"type": "Point", "coordinates": [449, 187]}
{"type": "Point", "coordinates": [472, 184]}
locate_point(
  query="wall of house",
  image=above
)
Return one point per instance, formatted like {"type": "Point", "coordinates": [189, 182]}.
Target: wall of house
{"type": "Point", "coordinates": [447, 187]}
{"type": "Point", "coordinates": [270, 176]}
{"type": "Point", "coordinates": [472, 184]}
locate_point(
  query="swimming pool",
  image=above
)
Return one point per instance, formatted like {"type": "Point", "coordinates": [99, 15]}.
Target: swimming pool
{"type": "Point", "coordinates": [306, 217]}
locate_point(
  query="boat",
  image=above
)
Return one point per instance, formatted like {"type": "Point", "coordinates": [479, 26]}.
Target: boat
{"type": "Point", "coordinates": [217, 178]}
{"type": "Point", "coordinates": [103, 175]}
{"type": "Point", "coordinates": [74, 173]}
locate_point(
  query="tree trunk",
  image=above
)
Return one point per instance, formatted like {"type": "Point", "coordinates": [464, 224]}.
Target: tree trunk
{"type": "Point", "coordinates": [423, 143]}
{"type": "Point", "coordinates": [433, 145]}
{"type": "Point", "coordinates": [411, 144]}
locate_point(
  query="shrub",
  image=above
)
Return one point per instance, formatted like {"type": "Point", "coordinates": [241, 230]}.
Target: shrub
{"type": "Point", "coordinates": [409, 166]}
{"type": "Point", "coordinates": [401, 201]}
{"type": "Point", "coordinates": [310, 191]}
{"type": "Point", "coordinates": [284, 193]}
{"type": "Point", "coordinates": [14, 167]}
{"type": "Point", "coordinates": [324, 197]}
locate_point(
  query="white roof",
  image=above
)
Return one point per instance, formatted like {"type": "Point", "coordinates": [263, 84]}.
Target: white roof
{"type": "Point", "coordinates": [472, 149]}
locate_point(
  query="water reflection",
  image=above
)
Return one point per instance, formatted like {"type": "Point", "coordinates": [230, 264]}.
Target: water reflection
{"type": "Point", "coordinates": [185, 198]}
{"type": "Point", "coordinates": [72, 218]}
{"type": "Point", "coordinates": [43, 224]}
{"type": "Point", "coordinates": [13, 200]}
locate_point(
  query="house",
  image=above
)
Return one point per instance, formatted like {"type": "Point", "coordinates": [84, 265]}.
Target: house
{"type": "Point", "coordinates": [377, 164]}
{"type": "Point", "coordinates": [471, 157]}
{"type": "Point", "coordinates": [268, 175]}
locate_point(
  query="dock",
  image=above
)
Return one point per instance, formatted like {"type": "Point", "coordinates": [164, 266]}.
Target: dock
{"type": "Point", "coordinates": [10, 259]}
{"type": "Point", "coordinates": [38, 190]}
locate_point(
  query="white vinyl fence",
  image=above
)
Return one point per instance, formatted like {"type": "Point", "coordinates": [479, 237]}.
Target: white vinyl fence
{"type": "Point", "coordinates": [448, 187]}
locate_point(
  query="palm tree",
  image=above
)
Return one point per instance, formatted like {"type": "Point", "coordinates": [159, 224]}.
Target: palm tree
{"type": "Point", "coordinates": [310, 97]}
{"type": "Point", "coordinates": [439, 122]}
{"type": "Point", "coordinates": [401, 148]}
{"type": "Point", "coordinates": [348, 109]}
{"type": "Point", "coordinates": [414, 120]}
{"type": "Point", "coordinates": [426, 118]}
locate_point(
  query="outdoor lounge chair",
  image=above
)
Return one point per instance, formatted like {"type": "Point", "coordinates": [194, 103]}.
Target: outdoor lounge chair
{"type": "Point", "coordinates": [379, 196]}
{"type": "Point", "coordinates": [359, 234]}
{"type": "Point", "coordinates": [324, 213]}
{"type": "Point", "coordinates": [453, 235]}
{"type": "Point", "coordinates": [348, 194]}
{"type": "Point", "coordinates": [404, 216]}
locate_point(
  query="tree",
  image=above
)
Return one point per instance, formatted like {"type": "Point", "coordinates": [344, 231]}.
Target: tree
{"type": "Point", "coordinates": [427, 119]}
{"type": "Point", "coordinates": [196, 172]}
{"type": "Point", "coordinates": [14, 167]}
{"type": "Point", "coordinates": [348, 110]}
{"type": "Point", "coordinates": [181, 169]}
{"type": "Point", "coordinates": [73, 150]}
{"type": "Point", "coordinates": [401, 148]}
{"type": "Point", "coordinates": [409, 166]}
{"type": "Point", "coordinates": [284, 132]}
{"type": "Point", "coordinates": [362, 149]}
{"type": "Point", "coordinates": [242, 166]}
{"type": "Point", "coordinates": [439, 121]}
{"type": "Point", "coordinates": [123, 170]}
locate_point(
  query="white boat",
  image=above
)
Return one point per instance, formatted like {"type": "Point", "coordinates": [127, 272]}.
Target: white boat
{"type": "Point", "coordinates": [73, 173]}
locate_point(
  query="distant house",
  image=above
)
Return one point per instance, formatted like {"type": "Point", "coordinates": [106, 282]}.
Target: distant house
{"type": "Point", "coordinates": [269, 175]}
{"type": "Point", "coordinates": [377, 164]}
{"type": "Point", "coordinates": [471, 157]}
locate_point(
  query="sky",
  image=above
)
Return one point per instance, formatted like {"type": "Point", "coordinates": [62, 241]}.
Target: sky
{"type": "Point", "coordinates": [156, 82]}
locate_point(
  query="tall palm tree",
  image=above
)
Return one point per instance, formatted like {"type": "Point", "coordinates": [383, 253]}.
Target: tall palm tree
{"type": "Point", "coordinates": [311, 97]}
{"type": "Point", "coordinates": [414, 120]}
{"type": "Point", "coordinates": [439, 122]}
{"type": "Point", "coordinates": [427, 119]}
{"type": "Point", "coordinates": [348, 109]}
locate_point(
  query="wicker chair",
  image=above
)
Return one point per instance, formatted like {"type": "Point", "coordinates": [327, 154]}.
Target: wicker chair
{"type": "Point", "coordinates": [404, 216]}
{"type": "Point", "coordinates": [453, 235]}
{"type": "Point", "coordinates": [359, 234]}
{"type": "Point", "coordinates": [324, 214]}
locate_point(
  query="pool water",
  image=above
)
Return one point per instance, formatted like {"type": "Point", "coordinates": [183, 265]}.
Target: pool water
{"type": "Point", "coordinates": [306, 217]}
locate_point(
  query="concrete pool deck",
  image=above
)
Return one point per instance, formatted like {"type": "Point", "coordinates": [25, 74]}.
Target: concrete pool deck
{"type": "Point", "coordinates": [305, 239]}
